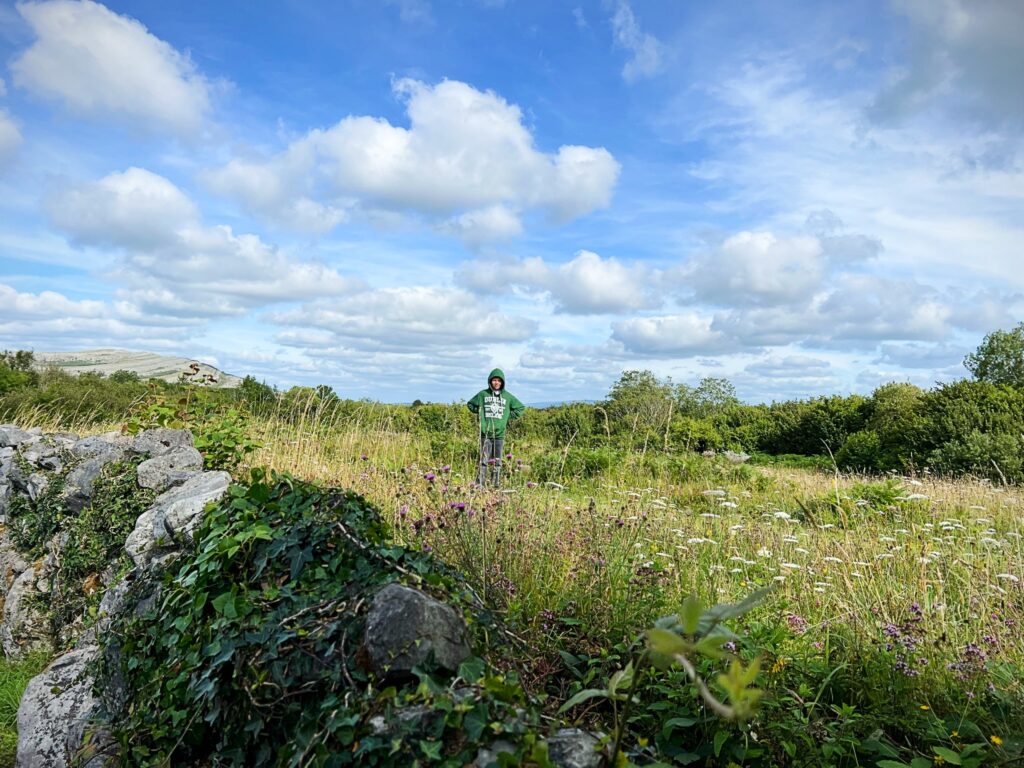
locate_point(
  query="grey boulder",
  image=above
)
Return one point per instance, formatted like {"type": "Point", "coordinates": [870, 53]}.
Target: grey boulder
{"type": "Point", "coordinates": [404, 626]}
{"type": "Point", "coordinates": [170, 469]}
{"type": "Point", "coordinates": [157, 442]}
{"type": "Point", "coordinates": [11, 436]}
{"type": "Point", "coordinates": [26, 622]}
{"type": "Point", "coordinates": [79, 482]}
{"type": "Point", "coordinates": [575, 748]}
{"type": "Point", "coordinates": [173, 518]}
{"type": "Point", "coordinates": [55, 711]}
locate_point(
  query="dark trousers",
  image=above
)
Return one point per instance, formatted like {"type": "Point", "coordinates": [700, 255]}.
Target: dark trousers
{"type": "Point", "coordinates": [490, 456]}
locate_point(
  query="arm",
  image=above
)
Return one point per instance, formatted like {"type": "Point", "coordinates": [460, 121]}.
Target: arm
{"type": "Point", "coordinates": [474, 402]}
{"type": "Point", "coordinates": [516, 407]}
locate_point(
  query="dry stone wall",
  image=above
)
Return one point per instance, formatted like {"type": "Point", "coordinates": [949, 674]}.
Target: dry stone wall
{"type": "Point", "coordinates": [62, 716]}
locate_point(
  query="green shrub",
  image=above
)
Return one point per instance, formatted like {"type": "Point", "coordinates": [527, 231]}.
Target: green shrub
{"type": "Point", "coordinates": [249, 657]}
{"type": "Point", "coordinates": [861, 451]}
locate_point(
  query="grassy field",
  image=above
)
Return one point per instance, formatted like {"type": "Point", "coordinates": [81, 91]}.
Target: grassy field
{"type": "Point", "coordinates": [896, 604]}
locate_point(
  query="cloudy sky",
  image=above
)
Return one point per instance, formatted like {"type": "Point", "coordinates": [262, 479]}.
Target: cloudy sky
{"type": "Point", "coordinates": [392, 197]}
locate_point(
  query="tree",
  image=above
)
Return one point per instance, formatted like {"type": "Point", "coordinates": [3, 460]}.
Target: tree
{"type": "Point", "coordinates": [16, 370]}
{"type": "Point", "coordinates": [641, 405]}
{"type": "Point", "coordinates": [1000, 358]}
{"type": "Point", "coordinates": [124, 377]}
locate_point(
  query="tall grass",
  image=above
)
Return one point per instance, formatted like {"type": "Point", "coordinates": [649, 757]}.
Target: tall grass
{"type": "Point", "coordinates": [583, 564]}
{"type": "Point", "coordinates": [14, 677]}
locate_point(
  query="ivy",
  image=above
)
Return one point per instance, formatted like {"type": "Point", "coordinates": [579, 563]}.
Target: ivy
{"type": "Point", "coordinates": [249, 656]}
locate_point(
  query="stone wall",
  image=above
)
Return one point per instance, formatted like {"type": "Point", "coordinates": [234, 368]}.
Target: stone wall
{"type": "Point", "coordinates": [61, 718]}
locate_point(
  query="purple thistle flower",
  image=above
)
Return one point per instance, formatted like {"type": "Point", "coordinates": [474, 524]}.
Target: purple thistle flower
{"type": "Point", "coordinates": [430, 476]}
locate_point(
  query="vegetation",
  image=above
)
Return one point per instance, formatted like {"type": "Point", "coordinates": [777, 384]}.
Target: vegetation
{"type": "Point", "coordinates": [14, 677]}
{"type": "Point", "coordinates": [888, 525]}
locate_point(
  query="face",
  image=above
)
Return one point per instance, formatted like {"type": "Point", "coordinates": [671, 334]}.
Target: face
{"type": "Point", "coordinates": [495, 383]}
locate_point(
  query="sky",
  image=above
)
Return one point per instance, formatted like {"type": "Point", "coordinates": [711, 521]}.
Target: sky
{"type": "Point", "coordinates": [393, 196]}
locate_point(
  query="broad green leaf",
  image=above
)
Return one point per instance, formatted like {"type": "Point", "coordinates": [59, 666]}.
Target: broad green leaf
{"type": "Point", "coordinates": [666, 642]}
{"type": "Point", "coordinates": [580, 697]}
{"type": "Point", "coordinates": [690, 615]}
{"type": "Point", "coordinates": [951, 757]}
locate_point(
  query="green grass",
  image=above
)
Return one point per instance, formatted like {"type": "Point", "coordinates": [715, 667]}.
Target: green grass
{"type": "Point", "coordinates": [14, 676]}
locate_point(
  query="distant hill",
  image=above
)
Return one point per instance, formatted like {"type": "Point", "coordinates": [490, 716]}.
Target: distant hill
{"type": "Point", "coordinates": [147, 364]}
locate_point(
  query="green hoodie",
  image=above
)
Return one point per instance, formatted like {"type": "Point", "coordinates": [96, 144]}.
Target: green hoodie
{"type": "Point", "coordinates": [495, 408]}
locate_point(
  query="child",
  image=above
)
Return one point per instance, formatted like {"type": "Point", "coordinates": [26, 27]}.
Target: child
{"type": "Point", "coordinates": [496, 407]}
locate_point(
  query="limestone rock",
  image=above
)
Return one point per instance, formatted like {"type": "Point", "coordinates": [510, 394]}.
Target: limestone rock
{"type": "Point", "coordinates": [157, 442]}
{"type": "Point", "coordinates": [79, 481]}
{"type": "Point", "coordinates": [173, 518]}
{"type": "Point", "coordinates": [55, 711]}
{"type": "Point", "coordinates": [574, 748]}
{"type": "Point", "coordinates": [12, 564]}
{"type": "Point", "coordinates": [170, 469]}
{"type": "Point", "coordinates": [36, 485]}
{"type": "Point", "coordinates": [26, 623]}
{"type": "Point", "coordinates": [11, 436]}
{"type": "Point", "coordinates": [404, 626]}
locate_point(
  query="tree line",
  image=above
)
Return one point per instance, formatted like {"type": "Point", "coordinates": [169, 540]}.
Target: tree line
{"type": "Point", "coordinates": [973, 426]}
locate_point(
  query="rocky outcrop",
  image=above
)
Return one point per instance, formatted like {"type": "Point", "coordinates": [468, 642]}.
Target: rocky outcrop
{"type": "Point", "coordinates": [55, 710]}
{"type": "Point", "coordinates": [404, 627]}
{"type": "Point", "coordinates": [163, 529]}
{"type": "Point", "coordinates": [59, 718]}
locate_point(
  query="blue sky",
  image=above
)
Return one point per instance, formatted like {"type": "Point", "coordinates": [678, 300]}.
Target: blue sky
{"type": "Point", "coordinates": [392, 197]}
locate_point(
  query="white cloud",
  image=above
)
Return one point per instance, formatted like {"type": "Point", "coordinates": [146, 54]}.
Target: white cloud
{"type": "Point", "coordinates": [646, 51]}
{"type": "Point", "coordinates": [790, 367]}
{"type": "Point", "coordinates": [134, 209]}
{"type": "Point", "coordinates": [965, 53]}
{"type": "Point", "coordinates": [920, 355]}
{"type": "Point", "coordinates": [485, 225]}
{"type": "Point", "coordinates": [15, 305]}
{"type": "Point", "coordinates": [409, 319]}
{"type": "Point", "coordinates": [170, 263]}
{"type": "Point", "coordinates": [41, 319]}
{"type": "Point", "coordinates": [757, 268]}
{"type": "Point", "coordinates": [465, 153]}
{"type": "Point", "coordinates": [587, 284]}
{"type": "Point", "coordinates": [100, 64]}
{"type": "Point", "coordinates": [10, 136]}
{"type": "Point", "coordinates": [680, 335]}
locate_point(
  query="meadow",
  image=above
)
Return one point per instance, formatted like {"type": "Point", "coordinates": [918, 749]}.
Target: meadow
{"type": "Point", "coordinates": [890, 636]}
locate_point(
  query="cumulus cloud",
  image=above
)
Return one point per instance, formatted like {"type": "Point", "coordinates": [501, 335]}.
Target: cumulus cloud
{"type": "Point", "coordinates": [101, 64]}
{"type": "Point", "coordinates": [40, 318]}
{"type": "Point", "coordinates": [409, 319]}
{"type": "Point", "coordinates": [485, 225]}
{"type": "Point", "coordinates": [756, 268]}
{"type": "Point", "coordinates": [587, 284]}
{"type": "Point", "coordinates": [671, 336]}
{"type": "Point", "coordinates": [920, 355]}
{"type": "Point", "coordinates": [646, 51]}
{"type": "Point", "coordinates": [466, 163]}
{"type": "Point", "coordinates": [965, 51]}
{"type": "Point", "coordinates": [170, 263]}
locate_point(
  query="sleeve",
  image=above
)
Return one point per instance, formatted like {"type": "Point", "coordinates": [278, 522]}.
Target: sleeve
{"type": "Point", "coordinates": [517, 407]}
{"type": "Point", "coordinates": [474, 402]}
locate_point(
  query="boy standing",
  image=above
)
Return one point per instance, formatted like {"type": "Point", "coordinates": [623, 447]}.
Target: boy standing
{"type": "Point", "coordinates": [495, 407]}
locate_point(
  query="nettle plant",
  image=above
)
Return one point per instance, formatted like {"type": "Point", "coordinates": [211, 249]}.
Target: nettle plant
{"type": "Point", "coordinates": [686, 640]}
{"type": "Point", "coordinates": [221, 432]}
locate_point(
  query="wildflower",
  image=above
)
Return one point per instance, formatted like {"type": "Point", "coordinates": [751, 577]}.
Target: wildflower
{"type": "Point", "coordinates": [364, 457]}
{"type": "Point", "coordinates": [925, 707]}
{"type": "Point", "coordinates": [530, 484]}
{"type": "Point", "coordinates": [995, 740]}
{"type": "Point", "coordinates": [446, 469]}
{"type": "Point", "coordinates": [430, 477]}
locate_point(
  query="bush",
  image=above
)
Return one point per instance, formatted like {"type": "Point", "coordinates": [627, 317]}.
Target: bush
{"type": "Point", "coordinates": [861, 452]}
{"type": "Point", "coordinates": [249, 657]}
